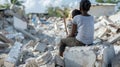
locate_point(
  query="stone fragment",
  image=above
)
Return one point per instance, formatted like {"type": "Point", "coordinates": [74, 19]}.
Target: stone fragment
{"type": "Point", "coordinates": [44, 59]}
{"type": "Point", "coordinates": [59, 61]}
{"type": "Point", "coordinates": [114, 39]}
{"type": "Point", "coordinates": [13, 55]}
{"type": "Point", "coordinates": [41, 47]}
{"type": "Point", "coordinates": [2, 58]}
{"type": "Point", "coordinates": [19, 24]}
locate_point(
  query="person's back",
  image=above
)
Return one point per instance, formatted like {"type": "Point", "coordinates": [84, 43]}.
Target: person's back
{"type": "Point", "coordinates": [85, 28]}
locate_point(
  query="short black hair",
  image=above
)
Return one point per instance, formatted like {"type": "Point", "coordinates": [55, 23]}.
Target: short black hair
{"type": "Point", "coordinates": [75, 12]}
{"type": "Point", "coordinates": [85, 5]}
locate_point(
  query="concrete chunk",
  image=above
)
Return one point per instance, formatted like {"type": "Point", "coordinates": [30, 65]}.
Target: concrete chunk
{"type": "Point", "coordinates": [31, 63]}
{"type": "Point", "coordinates": [19, 24]}
{"type": "Point", "coordinates": [4, 39]}
{"type": "Point", "coordinates": [13, 55]}
{"type": "Point", "coordinates": [2, 58]}
{"type": "Point", "coordinates": [79, 57]}
{"type": "Point", "coordinates": [44, 59]}
{"type": "Point", "coordinates": [59, 61]}
{"type": "Point", "coordinates": [28, 34]}
{"type": "Point", "coordinates": [41, 47]}
{"type": "Point", "coordinates": [114, 39]}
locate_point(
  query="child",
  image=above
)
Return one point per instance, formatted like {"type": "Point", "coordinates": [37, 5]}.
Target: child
{"type": "Point", "coordinates": [73, 14]}
{"type": "Point", "coordinates": [84, 25]}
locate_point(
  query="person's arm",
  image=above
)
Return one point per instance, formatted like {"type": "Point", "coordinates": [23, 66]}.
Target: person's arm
{"type": "Point", "coordinates": [73, 31]}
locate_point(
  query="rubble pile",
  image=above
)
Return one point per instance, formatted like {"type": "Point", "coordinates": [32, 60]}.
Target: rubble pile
{"type": "Point", "coordinates": [108, 29]}
{"type": "Point", "coordinates": [28, 44]}
{"type": "Point", "coordinates": [25, 44]}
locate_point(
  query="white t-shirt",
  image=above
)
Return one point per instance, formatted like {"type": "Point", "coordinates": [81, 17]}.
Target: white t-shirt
{"type": "Point", "coordinates": [85, 28]}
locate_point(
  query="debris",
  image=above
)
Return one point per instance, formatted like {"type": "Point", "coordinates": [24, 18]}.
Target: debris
{"type": "Point", "coordinates": [13, 55]}
{"type": "Point", "coordinates": [101, 55]}
{"type": "Point", "coordinates": [28, 34]}
{"type": "Point", "coordinates": [59, 61]}
{"type": "Point", "coordinates": [114, 39]}
{"type": "Point", "coordinates": [2, 58]}
{"type": "Point", "coordinates": [19, 24]}
{"type": "Point", "coordinates": [44, 59]}
{"type": "Point", "coordinates": [37, 45]}
{"type": "Point", "coordinates": [4, 39]}
{"type": "Point", "coordinates": [41, 47]}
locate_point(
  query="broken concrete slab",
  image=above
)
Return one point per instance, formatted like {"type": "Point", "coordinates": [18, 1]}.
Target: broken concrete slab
{"type": "Point", "coordinates": [99, 34]}
{"type": "Point", "coordinates": [31, 63]}
{"type": "Point", "coordinates": [114, 39]}
{"type": "Point", "coordinates": [13, 55]}
{"type": "Point", "coordinates": [19, 24]}
{"type": "Point", "coordinates": [44, 59]}
{"type": "Point", "coordinates": [25, 54]}
{"type": "Point", "coordinates": [4, 39]}
{"type": "Point", "coordinates": [27, 34]}
{"type": "Point", "coordinates": [50, 47]}
{"type": "Point", "coordinates": [4, 45]}
{"type": "Point", "coordinates": [41, 47]}
{"type": "Point", "coordinates": [31, 43]}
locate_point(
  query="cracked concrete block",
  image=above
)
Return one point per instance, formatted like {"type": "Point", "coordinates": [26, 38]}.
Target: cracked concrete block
{"type": "Point", "coordinates": [13, 55]}
{"type": "Point", "coordinates": [79, 57]}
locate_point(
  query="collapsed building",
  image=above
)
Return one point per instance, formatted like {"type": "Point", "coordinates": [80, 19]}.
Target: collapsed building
{"type": "Point", "coordinates": [24, 44]}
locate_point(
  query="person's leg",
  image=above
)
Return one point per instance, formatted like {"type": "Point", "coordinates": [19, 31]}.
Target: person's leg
{"type": "Point", "coordinates": [70, 41]}
{"type": "Point", "coordinates": [62, 46]}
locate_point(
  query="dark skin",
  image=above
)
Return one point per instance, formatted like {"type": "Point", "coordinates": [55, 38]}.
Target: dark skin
{"type": "Point", "coordinates": [74, 26]}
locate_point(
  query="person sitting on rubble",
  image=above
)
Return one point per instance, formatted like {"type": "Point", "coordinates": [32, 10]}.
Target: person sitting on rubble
{"type": "Point", "coordinates": [84, 25]}
{"type": "Point", "coordinates": [73, 14]}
